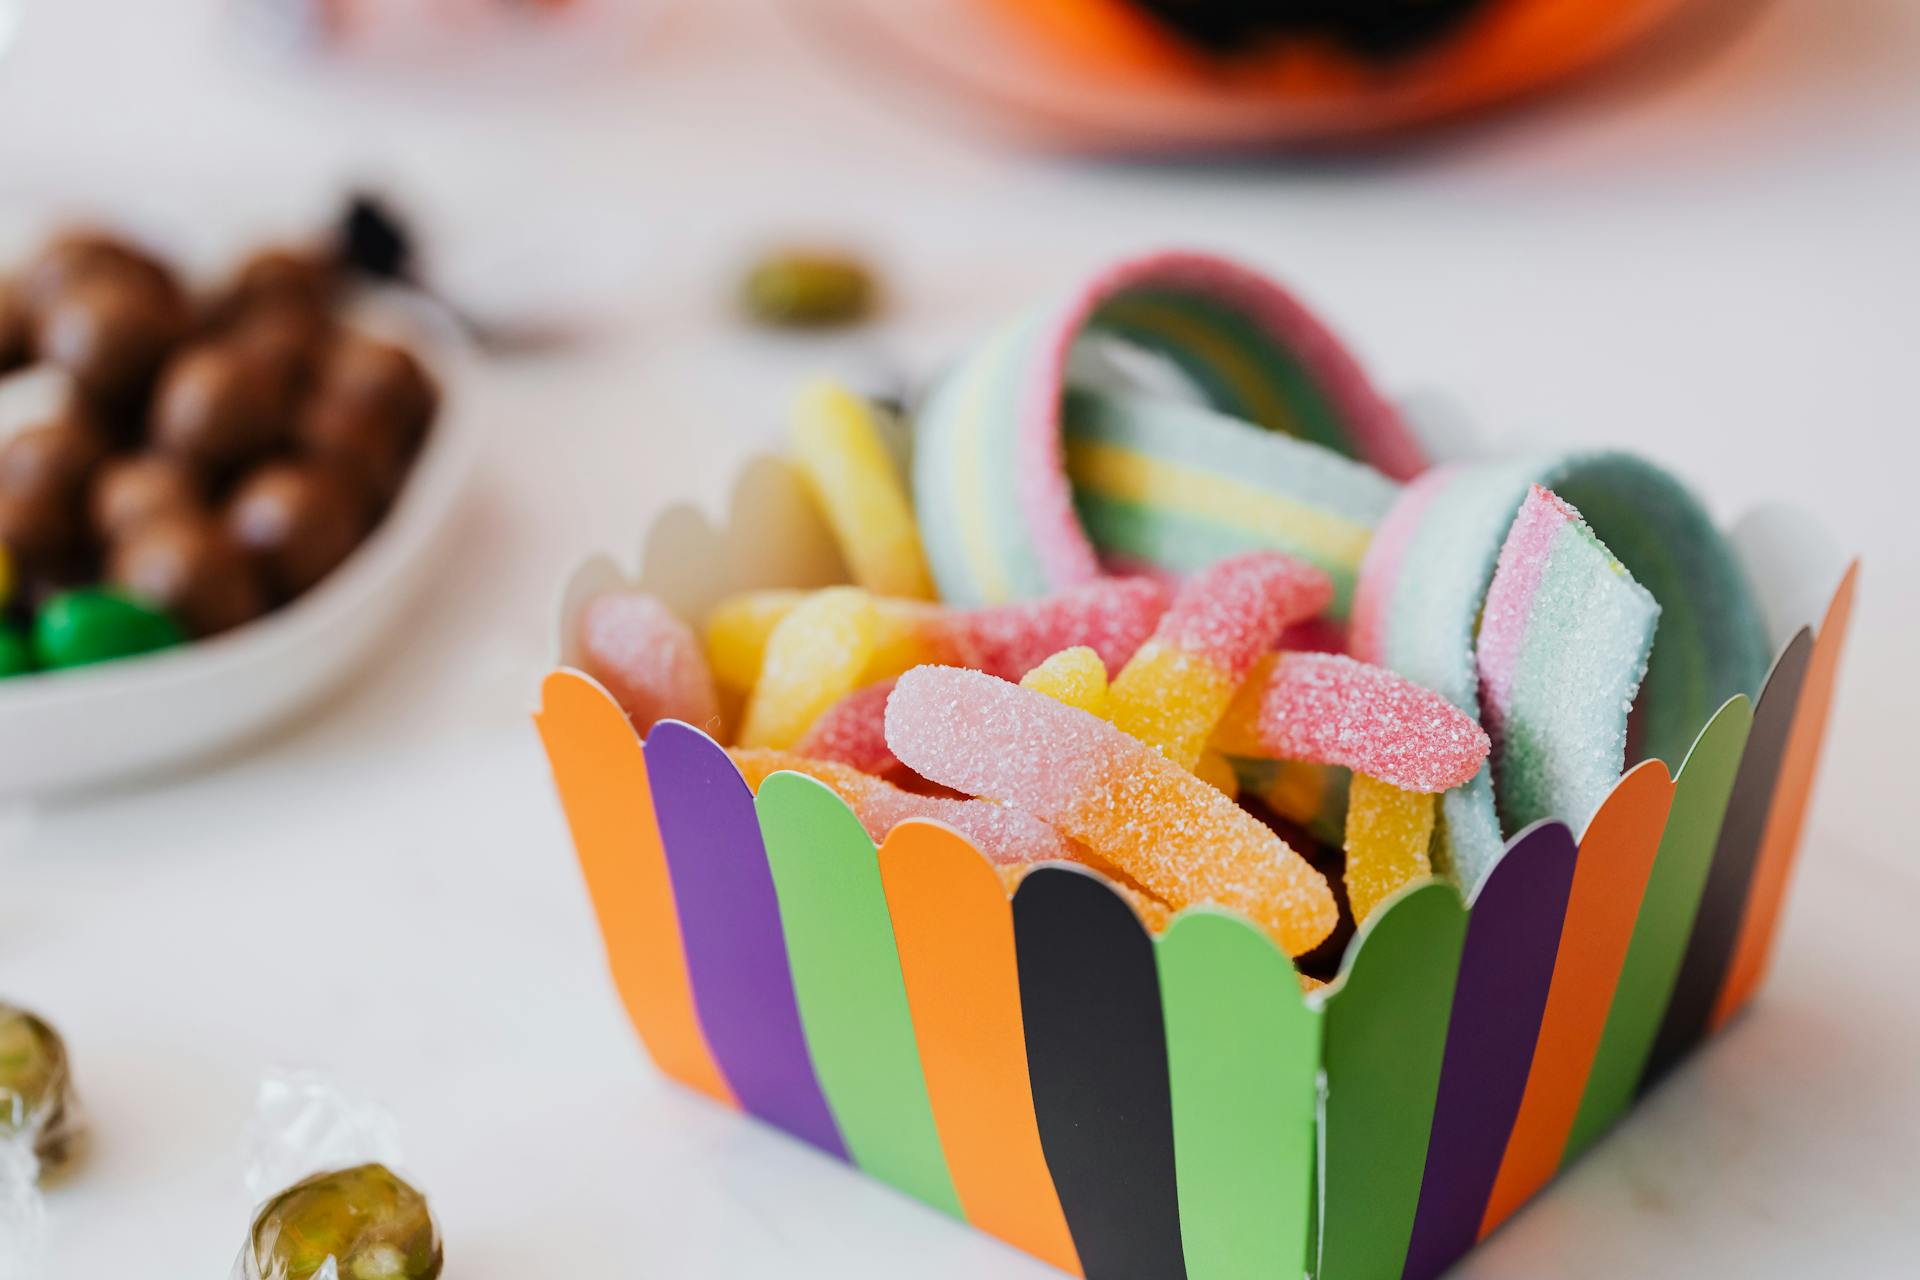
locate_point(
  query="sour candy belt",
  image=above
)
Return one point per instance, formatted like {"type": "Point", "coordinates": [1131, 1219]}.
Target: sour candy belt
{"type": "Point", "coordinates": [996, 508]}
{"type": "Point", "coordinates": [1425, 581]}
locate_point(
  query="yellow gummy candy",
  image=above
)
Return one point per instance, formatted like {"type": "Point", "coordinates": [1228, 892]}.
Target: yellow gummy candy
{"type": "Point", "coordinates": [737, 633]}
{"type": "Point", "coordinates": [816, 655]}
{"type": "Point", "coordinates": [838, 446]}
{"type": "Point", "coordinates": [740, 626]}
{"type": "Point", "coordinates": [1389, 832]}
{"type": "Point", "coordinates": [1171, 699]}
{"type": "Point", "coordinates": [1074, 676]}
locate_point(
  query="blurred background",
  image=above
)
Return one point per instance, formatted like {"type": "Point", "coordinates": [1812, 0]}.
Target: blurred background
{"type": "Point", "coordinates": [1699, 248]}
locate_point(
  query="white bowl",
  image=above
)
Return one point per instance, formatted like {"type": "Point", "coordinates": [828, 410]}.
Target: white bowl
{"type": "Point", "coordinates": [78, 728]}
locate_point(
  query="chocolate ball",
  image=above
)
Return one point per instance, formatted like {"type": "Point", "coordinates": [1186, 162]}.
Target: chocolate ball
{"type": "Point", "coordinates": [357, 439]}
{"type": "Point", "coordinates": [112, 333]}
{"type": "Point", "coordinates": [38, 529]}
{"type": "Point", "coordinates": [130, 490]}
{"type": "Point", "coordinates": [74, 256]}
{"type": "Point", "coordinates": [16, 328]}
{"type": "Point", "coordinates": [186, 565]}
{"type": "Point", "coordinates": [53, 460]}
{"type": "Point", "coordinates": [384, 379]}
{"type": "Point", "coordinates": [280, 277]}
{"type": "Point", "coordinates": [298, 520]}
{"type": "Point", "coordinates": [289, 340]}
{"type": "Point", "coordinates": [219, 406]}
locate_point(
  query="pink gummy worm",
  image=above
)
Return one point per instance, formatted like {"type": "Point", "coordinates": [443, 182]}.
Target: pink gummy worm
{"type": "Point", "coordinates": [1006, 836]}
{"type": "Point", "coordinates": [1231, 614]}
{"type": "Point", "coordinates": [1112, 616]}
{"type": "Point", "coordinates": [1509, 604]}
{"type": "Point", "coordinates": [853, 731]}
{"type": "Point", "coordinates": [648, 659]}
{"type": "Point", "coordinates": [1327, 708]}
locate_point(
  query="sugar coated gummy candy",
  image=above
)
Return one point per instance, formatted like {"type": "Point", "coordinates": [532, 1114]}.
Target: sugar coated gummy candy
{"type": "Point", "coordinates": [1174, 835]}
{"type": "Point", "coordinates": [815, 656]}
{"type": "Point", "coordinates": [370, 1221]}
{"type": "Point", "coordinates": [737, 632]}
{"type": "Point", "coordinates": [839, 449]}
{"type": "Point", "coordinates": [1223, 619]}
{"type": "Point", "coordinates": [1074, 676]}
{"type": "Point", "coordinates": [853, 731]}
{"type": "Point", "coordinates": [1003, 834]}
{"type": "Point", "coordinates": [1563, 645]}
{"type": "Point", "coordinates": [1112, 616]}
{"type": "Point", "coordinates": [1326, 708]}
{"type": "Point", "coordinates": [648, 659]}
{"type": "Point", "coordinates": [1389, 834]}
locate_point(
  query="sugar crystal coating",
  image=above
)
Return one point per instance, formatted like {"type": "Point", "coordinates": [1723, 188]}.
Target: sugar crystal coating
{"type": "Point", "coordinates": [648, 659]}
{"type": "Point", "coordinates": [1111, 616]}
{"type": "Point", "coordinates": [1003, 834]}
{"type": "Point", "coordinates": [1173, 834]}
{"type": "Point", "coordinates": [815, 656]}
{"type": "Point", "coordinates": [1389, 835]}
{"type": "Point", "coordinates": [853, 731]}
{"type": "Point", "coordinates": [1563, 646]}
{"type": "Point", "coordinates": [1074, 676]}
{"type": "Point", "coordinates": [1327, 708]}
{"type": "Point", "coordinates": [840, 451]}
{"type": "Point", "coordinates": [1223, 619]}
{"type": "Point", "coordinates": [737, 631]}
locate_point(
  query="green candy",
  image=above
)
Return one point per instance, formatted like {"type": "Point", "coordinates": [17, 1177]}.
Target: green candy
{"type": "Point", "coordinates": [16, 654]}
{"type": "Point", "coordinates": [36, 1098]}
{"type": "Point", "coordinates": [808, 290]}
{"type": "Point", "coordinates": [97, 625]}
{"type": "Point", "coordinates": [367, 1219]}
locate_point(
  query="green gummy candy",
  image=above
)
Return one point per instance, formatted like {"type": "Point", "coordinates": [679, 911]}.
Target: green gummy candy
{"type": "Point", "coordinates": [94, 625]}
{"type": "Point", "coordinates": [16, 655]}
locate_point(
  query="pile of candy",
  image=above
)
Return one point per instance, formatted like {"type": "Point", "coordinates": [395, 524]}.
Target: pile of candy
{"type": "Point", "coordinates": [205, 460]}
{"type": "Point", "coordinates": [1267, 659]}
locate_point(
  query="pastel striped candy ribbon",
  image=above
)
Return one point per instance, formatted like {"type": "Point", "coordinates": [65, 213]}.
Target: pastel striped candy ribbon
{"type": "Point", "coordinates": [1425, 580]}
{"type": "Point", "coordinates": [1022, 490]}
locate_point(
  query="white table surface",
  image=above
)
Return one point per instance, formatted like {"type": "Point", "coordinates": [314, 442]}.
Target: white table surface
{"type": "Point", "coordinates": [1712, 263]}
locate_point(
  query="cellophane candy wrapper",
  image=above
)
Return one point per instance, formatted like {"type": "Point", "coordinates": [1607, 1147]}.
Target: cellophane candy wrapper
{"type": "Point", "coordinates": [40, 1126]}
{"type": "Point", "coordinates": [305, 1125]}
{"type": "Point", "coordinates": [23, 1214]}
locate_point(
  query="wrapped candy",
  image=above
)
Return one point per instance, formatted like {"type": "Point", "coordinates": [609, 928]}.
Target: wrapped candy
{"type": "Point", "coordinates": [38, 1111]}
{"type": "Point", "coordinates": [39, 1132]}
{"type": "Point", "coordinates": [346, 1215]}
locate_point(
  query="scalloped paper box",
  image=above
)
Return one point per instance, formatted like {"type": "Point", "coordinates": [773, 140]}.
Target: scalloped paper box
{"type": "Point", "coordinates": [1122, 1104]}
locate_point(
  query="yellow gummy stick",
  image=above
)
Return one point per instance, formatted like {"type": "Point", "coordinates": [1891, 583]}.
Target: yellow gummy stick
{"type": "Point", "coordinates": [740, 626]}
{"type": "Point", "coordinates": [1389, 832]}
{"type": "Point", "coordinates": [1170, 699]}
{"type": "Point", "coordinates": [1074, 676]}
{"type": "Point", "coordinates": [839, 449]}
{"type": "Point", "coordinates": [815, 656]}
